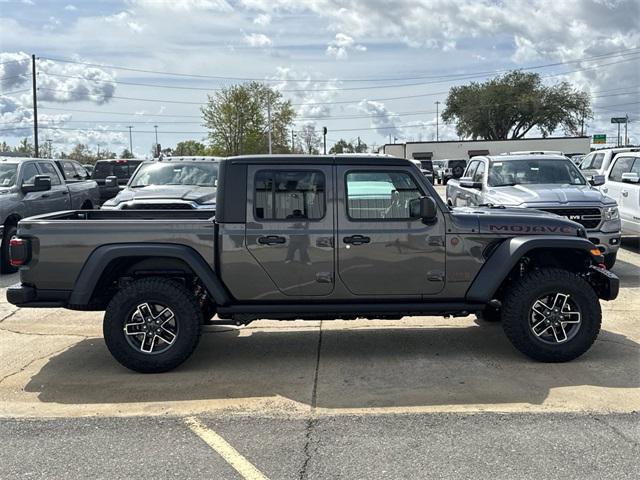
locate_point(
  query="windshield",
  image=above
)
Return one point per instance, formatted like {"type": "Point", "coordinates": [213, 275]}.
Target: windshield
{"type": "Point", "coordinates": [8, 173]}
{"type": "Point", "coordinates": [531, 172]}
{"type": "Point", "coordinates": [201, 174]}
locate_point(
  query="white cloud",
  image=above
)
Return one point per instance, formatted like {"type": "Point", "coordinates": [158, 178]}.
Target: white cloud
{"type": "Point", "coordinates": [184, 5]}
{"type": "Point", "coordinates": [71, 8]}
{"type": "Point", "coordinates": [382, 119]}
{"type": "Point", "coordinates": [340, 46]}
{"type": "Point", "coordinates": [310, 96]}
{"type": "Point", "coordinates": [257, 40]}
{"type": "Point", "coordinates": [125, 19]}
{"type": "Point", "coordinates": [262, 20]}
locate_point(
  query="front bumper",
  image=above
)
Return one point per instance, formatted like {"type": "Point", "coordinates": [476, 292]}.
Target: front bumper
{"type": "Point", "coordinates": [606, 242]}
{"type": "Point", "coordinates": [605, 283]}
{"type": "Point", "coordinates": [26, 296]}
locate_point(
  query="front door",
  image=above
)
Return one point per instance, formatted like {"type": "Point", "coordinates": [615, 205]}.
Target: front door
{"type": "Point", "coordinates": [382, 250]}
{"type": "Point", "coordinates": [290, 226]}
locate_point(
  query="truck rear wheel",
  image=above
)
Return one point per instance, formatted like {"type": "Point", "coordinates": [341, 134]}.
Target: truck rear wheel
{"type": "Point", "coordinates": [152, 325]}
{"type": "Point", "coordinates": [551, 315]}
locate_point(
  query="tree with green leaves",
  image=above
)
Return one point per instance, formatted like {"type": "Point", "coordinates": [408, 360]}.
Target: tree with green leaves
{"type": "Point", "coordinates": [342, 146]}
{"type": "Point", "coordinates": [126, 154]}
{"type": "Point", "coordinates": [236, 118]}
{"type": "Point", "coordinates": [310, 139]}
{"type": "Point", "coordinates": [189, 148]}
{"type": "Point", "coordinates": [511, 105]}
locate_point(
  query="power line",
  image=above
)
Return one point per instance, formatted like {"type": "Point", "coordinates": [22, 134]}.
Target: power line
{"type": "Point", "coordinates": [374, 79]}
{"type": "Point", "coordinates": [402, 97]}
{"type": "Point", "coordinates": [16, 91]}
{"type": "Point", "coordinates": [294, 90]}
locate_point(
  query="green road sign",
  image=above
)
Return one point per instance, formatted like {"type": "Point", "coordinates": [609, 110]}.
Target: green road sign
{"type": "Point", "coordinates": [600, 138]}
{"type": "Point", "coordinates": [618, 119]}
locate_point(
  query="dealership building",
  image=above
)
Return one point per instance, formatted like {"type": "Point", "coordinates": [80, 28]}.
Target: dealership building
{"type": "Point", "coordinates": [465, 149]}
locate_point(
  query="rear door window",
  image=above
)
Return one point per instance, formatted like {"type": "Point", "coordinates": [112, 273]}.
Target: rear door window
{"type": "Point", "coordinates": [49, 169]}
{"type": "Point", "coordinates": [68, 170]}
{"type": "Point", "coordinates": [289, 195]}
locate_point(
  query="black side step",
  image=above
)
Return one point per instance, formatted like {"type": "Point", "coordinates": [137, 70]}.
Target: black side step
{"type": "Point", "coordinates": [352, 308]}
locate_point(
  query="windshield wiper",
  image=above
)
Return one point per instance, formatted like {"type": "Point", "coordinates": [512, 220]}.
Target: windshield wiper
{"type": "Point", "coordinates": [138, 186]}
{"type": "Point", "coordinates": [491, 205]}
{"type": "Point", "coordinates": [511, 184]}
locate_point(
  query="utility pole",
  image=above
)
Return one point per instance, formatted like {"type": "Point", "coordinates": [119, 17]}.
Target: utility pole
{"type": "Point", "coordinates": [35, 107]}
{"type": "Point", "coordinates": [618, 138]}
{"type": "Point", "coordinates": [269, 119]}
{"type": "Point", "coordinates": [156, 128]}
{"type": "Point", "coordinates": [626, 137]}
{"type": "Point", "coordinates": [437, 120]}
{"type": "Point", "coordinates": [293, 141]}
{"type": "Point", "coordinates": [358, 150]}
{"type": "Point", "coordinates": [49, 148]}
{"type": "Point", "coordinates": [130, 140]}
{"type": "Point", "coordinates": [324, 138]}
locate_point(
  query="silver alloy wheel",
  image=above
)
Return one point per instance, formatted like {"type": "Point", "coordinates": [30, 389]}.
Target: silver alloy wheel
{"type": "Point", "coordinates": [555, 318]}
{"type": "Point", "coordinates": [151, 328]}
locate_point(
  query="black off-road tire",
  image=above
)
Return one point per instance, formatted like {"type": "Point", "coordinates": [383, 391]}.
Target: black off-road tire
{"type": "Point", "coordinates": [489, 314]}
{"type": "Point", "coordinates": [162, 291]}
{"type": "Point", "coordinates": [610, 260]}
{"type": "Point", "coordinates": [5, 266]}
{"type": "Point", "coordinates": [519, 300]}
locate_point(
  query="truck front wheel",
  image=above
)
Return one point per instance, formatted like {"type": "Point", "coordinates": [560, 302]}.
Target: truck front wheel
{"type": "Point", "coordinates": [152, 325]}
{"type": "Point", "coordinates": [551, 315]}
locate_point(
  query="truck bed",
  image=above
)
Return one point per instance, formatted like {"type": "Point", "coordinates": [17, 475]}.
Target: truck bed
{"type": "Point", "coordinates": [64, 240]}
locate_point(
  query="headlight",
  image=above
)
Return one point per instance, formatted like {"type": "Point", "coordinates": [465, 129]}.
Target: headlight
{"type": "Point", "coordinates": [611, 213]}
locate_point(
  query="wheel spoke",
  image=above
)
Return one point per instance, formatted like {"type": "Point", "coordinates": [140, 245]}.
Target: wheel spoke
{"type": "Point", "coordinates": [165, 316]}
{"type": "Point", "coordinates": [166, 335]}
{"type": "Point", "coordinates": [147, 346]}
{"type": "Point", "coordinates": [560, 301]}
{"type": "Point", "coordinates": [563, 337]}
{"type": "Point", "coordinates": [571, 317]}
{"type": "Point", "coordinates": [535, 327]}
{"type": "Point", "coordinates": [135, 331]}
{"type": "Point", "coordinates": [145, 311]}
{"type": "Point", "coordinates": [540, 308]}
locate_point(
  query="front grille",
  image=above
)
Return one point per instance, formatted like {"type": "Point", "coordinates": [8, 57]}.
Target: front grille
{"type": "Point", "coordinates": [589, 218]}
{"type": "Point", "coordinates": [157, 206]}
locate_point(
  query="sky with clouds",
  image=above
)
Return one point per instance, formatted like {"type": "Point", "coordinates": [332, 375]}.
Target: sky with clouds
{"type": "Point", "coordinates": [364, 68]}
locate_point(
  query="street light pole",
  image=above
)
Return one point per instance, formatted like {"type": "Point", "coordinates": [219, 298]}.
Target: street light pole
{"type": "Point", "coordinates": [437, 120]}
{"type": "Point", "coordinates": [269, 119]}
{"type": "Point", "coordinates": [130, 140]}
{"type": "Point", "coordinates": [35, 107]}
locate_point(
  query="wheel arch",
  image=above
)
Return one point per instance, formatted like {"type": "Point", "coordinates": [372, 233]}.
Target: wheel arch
{"type": "Point", "coordinates": [570, 253]}
{"type": "Point", "coordinates": [109, 262]}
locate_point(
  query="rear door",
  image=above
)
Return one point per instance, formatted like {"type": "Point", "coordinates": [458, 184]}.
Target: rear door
{"type": "Point", "coordinates": [626, 194]}
{"type": "Point", "coordinates": [290, 226]}
{"type": "Point", "coordinates": [382, 251]}
{"type": "Point", "coordinates": [58, 197]}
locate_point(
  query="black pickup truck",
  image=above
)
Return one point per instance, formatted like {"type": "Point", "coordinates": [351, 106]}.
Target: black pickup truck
{"type": "Point", "coordinates": [302, 237]}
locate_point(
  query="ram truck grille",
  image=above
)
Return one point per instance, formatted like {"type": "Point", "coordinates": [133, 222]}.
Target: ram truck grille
{"type": "Point", "coordinates": [589, 218]}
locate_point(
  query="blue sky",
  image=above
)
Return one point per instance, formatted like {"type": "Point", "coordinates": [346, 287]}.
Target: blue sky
{"type": "Point", "coordinates": [326, 55]}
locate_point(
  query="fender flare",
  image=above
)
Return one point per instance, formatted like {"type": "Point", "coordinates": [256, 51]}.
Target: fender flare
{"type": "Point", "coordinates": [508, 254]}
{"type": "Point", "coordinates": [101, 257]}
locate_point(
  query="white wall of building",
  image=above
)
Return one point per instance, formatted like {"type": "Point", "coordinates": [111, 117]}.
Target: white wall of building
{"type": "Point", "coordinates": [467, 148]}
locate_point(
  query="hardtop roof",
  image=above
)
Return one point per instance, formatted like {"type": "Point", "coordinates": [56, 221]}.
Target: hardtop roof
{"type": "Point", "coordinates": [286, 159]}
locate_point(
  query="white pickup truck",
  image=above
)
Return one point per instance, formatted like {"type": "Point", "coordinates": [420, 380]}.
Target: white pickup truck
{"type": "Point", "coordinates": [622, 183]}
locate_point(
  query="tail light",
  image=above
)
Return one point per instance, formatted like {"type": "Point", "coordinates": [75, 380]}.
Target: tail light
{"type": "Point", "coordinates": [19, 251]}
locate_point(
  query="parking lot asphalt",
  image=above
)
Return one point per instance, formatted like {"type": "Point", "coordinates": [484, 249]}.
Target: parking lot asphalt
{"type": "Point", "coordinates": [413, 398]}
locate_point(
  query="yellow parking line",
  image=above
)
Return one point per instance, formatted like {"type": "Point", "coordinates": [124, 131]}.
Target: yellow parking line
{"type": "Point", "coordinates": [225, 450]}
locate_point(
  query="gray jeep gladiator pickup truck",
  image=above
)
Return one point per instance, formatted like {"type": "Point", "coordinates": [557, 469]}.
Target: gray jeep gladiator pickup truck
{"type": "Point", "coordinates": [326, 237]}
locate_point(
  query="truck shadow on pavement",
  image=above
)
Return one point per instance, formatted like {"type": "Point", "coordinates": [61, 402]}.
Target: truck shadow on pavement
{"type": "Point", "coordinates": [360, 367]}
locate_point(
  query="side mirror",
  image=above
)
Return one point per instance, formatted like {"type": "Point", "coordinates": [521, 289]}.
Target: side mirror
{"type": "Point", "coordinates": [41, 183]}
{"type": "Point", "coordinates": [630, 178]}
{"type": "Point", "coordinates": [597, 180]}
{"type": "Point", "coordinates": [467, 182]}
{"type": "Point", "coordinates": [111, 181]}
{"type": "Point", "coordinates": [424, 208]}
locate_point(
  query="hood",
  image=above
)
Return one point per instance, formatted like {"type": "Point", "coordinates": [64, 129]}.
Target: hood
{"type": "Point", "coordinates": [545, 195]}
{"type": "Point", "coordinates": [519, 221]}
{"type": "Point", "coordinates": [189, 193]}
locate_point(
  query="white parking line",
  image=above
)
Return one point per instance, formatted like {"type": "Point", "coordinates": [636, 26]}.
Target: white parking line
{"type": "Point", "coordinates": [225, 450]}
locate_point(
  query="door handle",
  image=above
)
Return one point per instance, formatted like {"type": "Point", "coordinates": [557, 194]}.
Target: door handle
{"type": "Point", "coordinates": [625, 193]}
{"type": "Point", "coordinates": [271, 240]}
{"type": "Point", "coordinates": [356, 239]}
